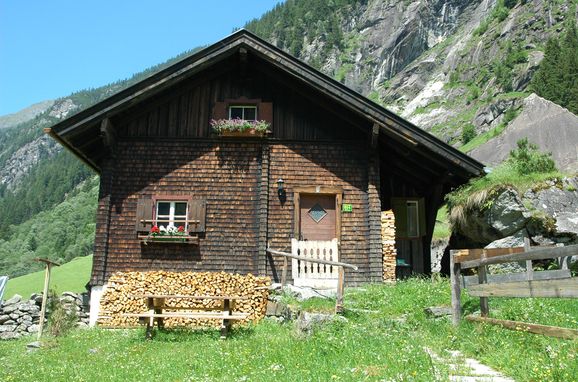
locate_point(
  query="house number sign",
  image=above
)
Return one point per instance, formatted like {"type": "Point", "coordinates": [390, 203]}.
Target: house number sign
{"type": "Point", "coordinates": [346, 207]}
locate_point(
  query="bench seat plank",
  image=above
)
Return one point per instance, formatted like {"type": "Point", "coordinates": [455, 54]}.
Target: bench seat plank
{"type": "Point", "coordinates": [201, 315]}
{"type": "Point", "coordinates": [196, 297]}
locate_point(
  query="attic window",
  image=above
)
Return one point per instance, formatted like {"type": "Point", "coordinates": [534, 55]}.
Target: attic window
{"type": "Point", "coordinates": [246, 112]}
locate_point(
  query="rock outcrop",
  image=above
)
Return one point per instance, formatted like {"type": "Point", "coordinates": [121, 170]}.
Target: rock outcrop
{"type": "Point", "coordinates": [547, 214]}
{"type": "Point", "coordinates": [553, 128]}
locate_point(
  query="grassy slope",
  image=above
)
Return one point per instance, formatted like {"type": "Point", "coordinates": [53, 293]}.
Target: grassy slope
{"type": "Point", "coordinates": [383, 339]}
{"type": "Point", "coordinates": [71, 276]}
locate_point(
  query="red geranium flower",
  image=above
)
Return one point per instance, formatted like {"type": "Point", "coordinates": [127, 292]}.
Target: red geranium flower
{"type": "Point", "coordinates": [181, 228]}
{"type": "Point", "coordinates": [155, 229]}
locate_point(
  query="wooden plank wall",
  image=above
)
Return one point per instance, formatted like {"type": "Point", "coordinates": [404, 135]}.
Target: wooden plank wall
{"type": "Point", "coordinates": [186, 110]}
{"type": "Point", "coordinates": [225, 175]}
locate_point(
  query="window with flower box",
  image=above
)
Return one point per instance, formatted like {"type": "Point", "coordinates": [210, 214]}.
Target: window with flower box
{"type": "Point", "coordinates": [242, 117]}
{"type": "Point", "coordinates": [170, 218]}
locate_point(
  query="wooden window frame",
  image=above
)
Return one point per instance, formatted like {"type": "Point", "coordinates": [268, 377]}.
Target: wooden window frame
{"type": "Point", "coordinates": [171, 216]}
{"type": "Point", "coordinates": [243, 107]}
{"type": "Point", "coordinates": [264, 110]}
{"type": "Point", "coordinates": [170, 198]}
{"type": "Point", "coordinates": [316, 190]}
{"type": "Point", "coordinates": [420, 217]}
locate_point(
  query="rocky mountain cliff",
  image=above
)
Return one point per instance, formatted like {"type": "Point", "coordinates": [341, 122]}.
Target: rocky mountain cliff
{"type": "Point", "coordinates": [553, 128]}
{"type": "Point", "coordinates": [25, 114]}
{"type": "Point", "coordinates": [442, 64]}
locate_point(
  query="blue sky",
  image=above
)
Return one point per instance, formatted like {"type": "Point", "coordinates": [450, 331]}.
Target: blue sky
{"type": "Point", "coordinates": [51, 48]}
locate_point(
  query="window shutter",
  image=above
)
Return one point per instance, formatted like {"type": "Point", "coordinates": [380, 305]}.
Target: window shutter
{"type": "Point", "coordinates": [197, 211]}
{"type": "Point", "coordinates": [144, 211]}
{"type": "Point", "coordinates": [266, 112]}
{"type": "Point", "coordinates": [398, 205]}
{"type": "Point", "coordinates": [421, 212]}
{"type": "Point", "coordinates": [220, 111]}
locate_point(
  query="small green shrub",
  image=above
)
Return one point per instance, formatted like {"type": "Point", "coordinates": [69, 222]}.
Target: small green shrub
{"type": "Point", "coordinates": [60, 321]}
{"type": "Point", "coordinates": [468, 133]}
{"type": "Point", "coordinates": [509, 115]}
{"type": "Point", "coordinates": [501, 13]}
{"type": "Point", "coordinates": [482, 28]}
{"type": "Point", "coordinates": [527, 159]}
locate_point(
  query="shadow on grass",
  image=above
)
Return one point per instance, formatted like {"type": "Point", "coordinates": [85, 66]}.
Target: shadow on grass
{"type": "Point", "coordinates": [191, 335]}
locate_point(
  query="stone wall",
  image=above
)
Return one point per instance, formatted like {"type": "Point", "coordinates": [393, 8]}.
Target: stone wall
{"type": "Point", "coordinates": [388, 245]}
{"type": "Point", "coordinates": [20, 317]}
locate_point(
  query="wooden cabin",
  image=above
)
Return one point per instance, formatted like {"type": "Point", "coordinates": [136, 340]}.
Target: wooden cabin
{"type": "Point", "coordinates": [330, 163]}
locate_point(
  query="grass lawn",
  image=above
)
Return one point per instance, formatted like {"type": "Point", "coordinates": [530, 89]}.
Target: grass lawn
{"type": "Point", "coordinates": [383, 340]}
{"type": "Point", "coordinates": [71, 276]}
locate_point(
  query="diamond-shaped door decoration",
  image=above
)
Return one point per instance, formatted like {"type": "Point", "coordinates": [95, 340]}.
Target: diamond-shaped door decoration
{"type": "Point", "coordinates": [317, 213]}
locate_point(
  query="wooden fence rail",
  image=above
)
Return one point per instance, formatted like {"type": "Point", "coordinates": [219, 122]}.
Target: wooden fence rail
{"type": "Point", "coordinates": [340, 275]}
{"type": "Point", "coordinates": [552, 283]}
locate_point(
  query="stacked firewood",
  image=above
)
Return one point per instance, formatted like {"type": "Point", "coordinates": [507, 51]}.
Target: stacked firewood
{"type": "Point", "coordinates": [388, 245]}
{"type": "Point", "coordinates": [126, 290]}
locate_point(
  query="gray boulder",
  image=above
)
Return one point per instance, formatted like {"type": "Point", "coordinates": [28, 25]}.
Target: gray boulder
{"type": "Point", "coordinates": [9, 308]}
{"type": "Point", "coordinates": [305, 293]}
{"type": "Point", "coordinates": [7, 328]}
{"type": "Point", "coordinates": [9, 335]}
{"type": "Point", "coordinates": [507, 214]}
{"type": "Point", "coordinates": [308, 322]}
{"type": "Point", "coordinates": [516, 240]}
{"type": "Point", "coordinates": [13, 301]}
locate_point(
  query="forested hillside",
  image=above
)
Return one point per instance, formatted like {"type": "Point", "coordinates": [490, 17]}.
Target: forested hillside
{"type": "Point", "coordinates": [459, 69]}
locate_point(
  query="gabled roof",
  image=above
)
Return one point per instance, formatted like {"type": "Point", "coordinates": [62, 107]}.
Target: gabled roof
{"type": "Point", "coordinates": [390, 124]}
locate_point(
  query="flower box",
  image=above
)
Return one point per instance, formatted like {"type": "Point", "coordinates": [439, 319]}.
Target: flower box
{"type": "Point", "coordinates": [185, 239]}
{"type": "Point", "coordinates": [168, 235]}
{"type": "Point", "coordinates": [239, 128]}
{"type": "Point", "coordinates": [244, 133]}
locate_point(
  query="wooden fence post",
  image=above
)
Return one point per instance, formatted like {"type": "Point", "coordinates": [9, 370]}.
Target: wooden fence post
{"type": "Point", "coordinates": [455, 271]}
{"type": "Point", "coordinates": [484, 305]}
{"type": "Point", "coordinates": [284, 272]}
{"type": "Point", "coordinates": [49, 265]}
{"type": "Point", "coordinates": [529, 268]}
{"type": "Point", "coordinates": [340, 285]}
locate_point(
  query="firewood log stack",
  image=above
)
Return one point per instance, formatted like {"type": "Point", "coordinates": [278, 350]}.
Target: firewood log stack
{"type": "Point", "coordinates": [388, 245]}
{"type": "Point", "coordinates": [126, 290]}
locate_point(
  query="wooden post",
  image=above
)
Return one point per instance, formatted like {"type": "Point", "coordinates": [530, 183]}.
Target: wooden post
{"type": "Point", "coordinates": [455, 271]}
{"type": "Point", "coordinates": [482, 278]}
{"type": "Point", "coordinates": [284, 271]}
{"type": "Point", "coordinates": [49, 265]}
{"type": "Point", "coordinates": [226, 325]}
{"type": "Point", "coordinates": [340, 285]}
{"type": "Point", "coordinates": [529, 269]}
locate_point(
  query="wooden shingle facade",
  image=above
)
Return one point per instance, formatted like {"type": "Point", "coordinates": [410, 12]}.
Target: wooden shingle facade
{"type": "Point", "coordinates": [342, 160]}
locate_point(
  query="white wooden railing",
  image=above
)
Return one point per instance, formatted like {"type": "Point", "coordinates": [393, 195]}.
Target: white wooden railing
{"type": "Point", "coordinates": [314, 274]}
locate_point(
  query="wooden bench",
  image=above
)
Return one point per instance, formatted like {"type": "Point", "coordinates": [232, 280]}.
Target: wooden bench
{"type": "Point", "coordinates": [157, 311]}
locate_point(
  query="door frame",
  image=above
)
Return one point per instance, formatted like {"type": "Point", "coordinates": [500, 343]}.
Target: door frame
{"type": "Point", "coordinates": [319, 190]}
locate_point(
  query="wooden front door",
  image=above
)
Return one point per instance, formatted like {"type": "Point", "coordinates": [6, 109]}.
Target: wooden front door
{"type": "Point", "coordinates": [317, 217]}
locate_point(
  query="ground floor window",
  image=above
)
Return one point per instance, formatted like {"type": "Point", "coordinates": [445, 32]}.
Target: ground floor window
{"type": "Point", "coordinates": [172, 214]}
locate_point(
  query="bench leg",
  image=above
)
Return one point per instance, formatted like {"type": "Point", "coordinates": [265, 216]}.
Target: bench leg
{"type": "Point", "coordinates": [149, 331]}
{"type": "Point", "coordinates": [225, 328]}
